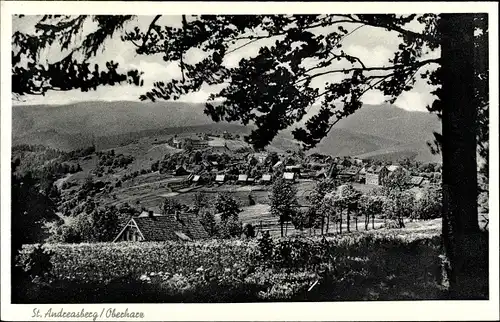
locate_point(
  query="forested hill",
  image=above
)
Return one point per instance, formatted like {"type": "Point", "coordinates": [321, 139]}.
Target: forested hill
{"type": "Point", "coordinates": [373, 130]}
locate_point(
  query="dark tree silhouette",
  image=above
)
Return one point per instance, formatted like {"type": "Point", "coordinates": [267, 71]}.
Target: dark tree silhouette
{"type": "Point", "coordinates": [273, 89]}
{"type": "Point", "coordinates": [283, 199]}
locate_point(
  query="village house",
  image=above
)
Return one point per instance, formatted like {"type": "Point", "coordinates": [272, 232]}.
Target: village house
{"type": "Point", "coordinates": [290, 176]}
{"type": "Point", "coordinates": [349, 174]}
{"type": "Point", "coordinates": [176, 143]}
{"type": "Point", "coordinates": [375, 175]}
{"type": "Point", "coordinates": [260, 156]}
{"type": "Point", "coordinates": [293, 168]}
{"type": "Point", "coordinates": [308, 175]}
{"type": "Point", "coordinates": [266, 178]}
{"type": "Point", "coordinates": [242, 178]}
{"type": "Point", "coordinates": [220, 178]}
{"type": "Point", "coordinates": [149, 226]}
{"type": "Point", "coordinates": [198, 144]}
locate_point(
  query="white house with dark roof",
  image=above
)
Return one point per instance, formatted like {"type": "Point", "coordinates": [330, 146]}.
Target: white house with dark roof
{"type": "Point", "coordinates": [266, 178]}
{"type": "Point", "coordinates": [289, 176]}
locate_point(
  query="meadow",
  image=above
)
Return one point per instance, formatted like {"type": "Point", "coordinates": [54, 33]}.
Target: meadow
{"type": "Point", "coordinates": [384, 264]}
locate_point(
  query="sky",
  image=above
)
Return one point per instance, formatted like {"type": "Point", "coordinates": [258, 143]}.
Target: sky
{"type": "Point", "coordinates": [373, 46]}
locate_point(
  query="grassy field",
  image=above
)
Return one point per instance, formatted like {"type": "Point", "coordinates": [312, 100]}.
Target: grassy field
{"type": "Point", "coordinates": [374, 265]}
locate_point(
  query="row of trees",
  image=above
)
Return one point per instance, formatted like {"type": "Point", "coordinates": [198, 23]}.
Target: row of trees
{"type": "Point", "coordinates": [330, 204]}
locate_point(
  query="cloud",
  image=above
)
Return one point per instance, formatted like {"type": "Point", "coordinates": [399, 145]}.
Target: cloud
{"type": "Point", "coordinates": [373, 98]}
{"type": "Point", "coordinates": [371, 56]}
{"type": "Point", "coordinates": [154, 71]}
{"type": "Point", "coordinates": [414, 101]}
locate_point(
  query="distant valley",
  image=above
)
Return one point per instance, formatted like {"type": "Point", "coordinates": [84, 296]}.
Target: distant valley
{"type": "Point", "coordinates": [373, 131]}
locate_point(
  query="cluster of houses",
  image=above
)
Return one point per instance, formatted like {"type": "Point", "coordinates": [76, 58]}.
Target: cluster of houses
{"type": "Point", "coordinates": [372, 175]}
{"type": "Point", "coordinates": [315, 167]}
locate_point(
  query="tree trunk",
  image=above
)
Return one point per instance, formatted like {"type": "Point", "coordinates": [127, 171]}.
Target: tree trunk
{"type": "Point", "coordinates": [281, 225]}
{"type": "Point", "coordinates": [466, 254]}
{"type": "Point", "coordinates": [356, 220]}
{"type": "Point", "coordinates": [373, 221]}
{"type": "Point", "coordinates": [322, 224]}
{"type": "Point", "coordinates": [327, 223]}
{"type": "Point", "coordinates": [348, 221]}
{"type": "Point", "coordinates": [286, 228]}
{"type": "Point", "coordinates": [340, 220]}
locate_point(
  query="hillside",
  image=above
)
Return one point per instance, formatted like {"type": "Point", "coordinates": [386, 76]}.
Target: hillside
{"type": "Point", "coordinates": [371, 131]}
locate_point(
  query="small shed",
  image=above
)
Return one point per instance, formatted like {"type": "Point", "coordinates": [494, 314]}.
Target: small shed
{"type": "Point", "coordinates": [289, 176]}
{"type": "Point", "coordinates": [242, 178]}
{"type": "Point", "coordinates": [220, 178]}
{"type": "Point", "coordinates": [417, 181]}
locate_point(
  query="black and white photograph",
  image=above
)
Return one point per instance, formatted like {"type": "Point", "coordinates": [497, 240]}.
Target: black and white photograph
{"type": "Point", "coordinates": [183, 157]}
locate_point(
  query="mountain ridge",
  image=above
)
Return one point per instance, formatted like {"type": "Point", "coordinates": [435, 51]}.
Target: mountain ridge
{"type": "Point", "coordinates": [370, 129]}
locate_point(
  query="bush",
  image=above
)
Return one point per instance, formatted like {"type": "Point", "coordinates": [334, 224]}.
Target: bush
{"type": "Point", "coordinates": [230, 228]}
{"type": "Point", "coordinates": [429, 205]}
{"type": "Point", "coordinates": [36, 263]}
{"type": "Point", "coordinates": [249, 231]}
{"type": "Point", "coordinates": [208, 222]}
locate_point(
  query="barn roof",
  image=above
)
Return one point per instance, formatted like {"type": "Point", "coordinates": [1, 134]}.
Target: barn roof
{"type": "Point", "coordinates": [167, 227]}
{"type": "Point", "coordinates": [277, 164]}
{"type": "Point", "coordinates": [375, 169]}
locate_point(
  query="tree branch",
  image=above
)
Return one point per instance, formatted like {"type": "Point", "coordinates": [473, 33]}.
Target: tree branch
{"type": "Point", "coordinates": [401, 30]}
{"type": "Point", "coordinates": [145, 38]}
{"type": "Point", "coordinates": [418, 64]}
{"type": "Point", "coordinates": [239, 47]}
